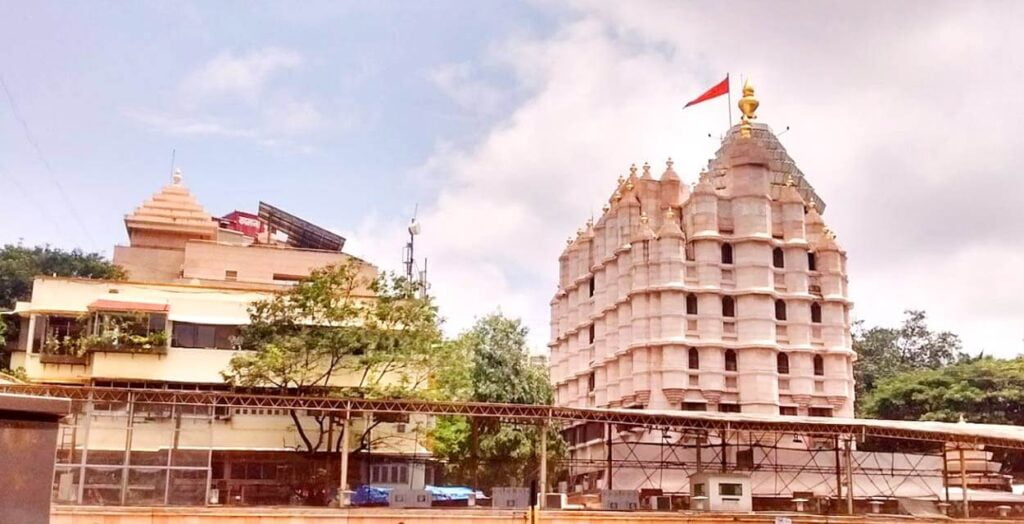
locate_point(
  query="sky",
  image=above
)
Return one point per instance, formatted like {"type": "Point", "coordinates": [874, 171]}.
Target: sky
{"type": "Point", "coordinates": [503, 126]}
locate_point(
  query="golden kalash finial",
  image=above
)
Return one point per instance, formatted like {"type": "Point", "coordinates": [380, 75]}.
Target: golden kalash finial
{"type": "Point", "coordinates": [789, 181]}
{"type": "Point", "coordinates": [670, 214]}
{"type": "Point", "coordinates": [748, 105]}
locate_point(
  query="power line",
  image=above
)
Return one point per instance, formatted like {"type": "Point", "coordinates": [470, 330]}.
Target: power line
{"type": "Point", "coordinates": [46, 164]}
{"type": "Point", "coordinates": [31, 199]}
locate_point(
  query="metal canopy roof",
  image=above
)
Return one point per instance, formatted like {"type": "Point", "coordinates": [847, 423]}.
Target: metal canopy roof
{"type": "Point", "coordinates": [301, 234]}
{"type": "Point", "coordinates": [1003, 436]}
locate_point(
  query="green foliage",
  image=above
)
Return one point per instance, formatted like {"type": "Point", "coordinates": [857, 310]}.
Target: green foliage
{"type": "Point", "coordinates": [19, 265]}
{"type": "Point", "coordinates": [985, 390]}
{"type": "Point", "coordinates": [496, 368]}
{"type": "Point", "coordinates": [336, 331]}
{"type": "Point", "coordinates": [883, 352]}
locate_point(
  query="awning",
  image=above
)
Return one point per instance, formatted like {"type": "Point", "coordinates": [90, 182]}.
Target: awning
{"type": "Point", "coordinates": [128, 307]}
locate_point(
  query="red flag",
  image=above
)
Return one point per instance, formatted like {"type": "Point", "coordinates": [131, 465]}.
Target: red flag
{"type": "Point", "coordinates": [719, 89]}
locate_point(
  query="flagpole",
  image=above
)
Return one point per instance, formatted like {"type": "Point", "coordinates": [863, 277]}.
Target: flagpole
{"type": "Point", "coordinates": [729, 92]}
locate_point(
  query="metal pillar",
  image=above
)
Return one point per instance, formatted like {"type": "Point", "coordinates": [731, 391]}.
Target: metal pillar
{"type": "Point", "coordinates": [608, 445]}
{"type": "Point", "coordinates": [725, 450]}
{"type": "Point", "coordinates": [343, 481]}
{"type": "Point", "coordinates": [849, 477]}
{"type": "Point", "coordinates": [87, 410]}
{"type": "Point", "coordinates": [945, 472]}
{"type": "Point", "coordinates": [474, 437]}
{"type": "Point", "coordinates": [839, 473]}
{"type": "Point", "coordinates": [963, 482]}
{"type": "Point", "coordinates": [543, 464]}
{"type": "Point", "coordinates": [700, 440]}
{"type": "Point", "coordinates": [209, 453]}
{"type": "Point", "coordinates": [128, 428]}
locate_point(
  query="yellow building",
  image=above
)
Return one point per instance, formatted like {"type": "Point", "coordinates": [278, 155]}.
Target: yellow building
{"type": "Point", "coordinates": [175, 324]}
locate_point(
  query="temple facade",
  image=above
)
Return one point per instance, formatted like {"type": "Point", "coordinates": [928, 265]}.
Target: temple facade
{"type": "Point", "coordinates": [730, 295]}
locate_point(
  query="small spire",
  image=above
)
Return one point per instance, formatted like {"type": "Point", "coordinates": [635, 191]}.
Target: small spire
{"type": "Point", "coordinates": [176, 177]}
{"type": "Point", "coordinates": [605, 208]}
{"type": "Point", "coordinates": [668, 163]}
{"type": "Point", "coordinates": [647, 170]}
{"type": "Point", "coordinates": [632, 171]}
{"type": "Point", "coordinates": [748, 105]}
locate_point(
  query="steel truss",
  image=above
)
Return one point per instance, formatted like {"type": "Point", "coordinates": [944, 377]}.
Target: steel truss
{"type": "Point", "coordinates": [679, 421]}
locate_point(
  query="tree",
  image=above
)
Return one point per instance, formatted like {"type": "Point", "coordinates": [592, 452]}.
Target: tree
{"type": "Point", "coordinates": [19, 265]}
{"type": "Point", "coordinates": [497, 369]}
{"type": "Point", "coordinates": [341, 332]}
{"type": "Point", "coordinates": [884, 352]}
{"type": "Point", "coordinates": [986, 390]}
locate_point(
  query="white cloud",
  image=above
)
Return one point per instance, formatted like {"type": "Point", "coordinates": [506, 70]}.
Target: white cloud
{"type": "Point", "coordinates": [459, 82]}
{"type": "Point", "coordinates": [234, 95]}
{"type": "Point", "coordinates": [898, 116]}
{"type": "Point", "coordinates": [239, 74]}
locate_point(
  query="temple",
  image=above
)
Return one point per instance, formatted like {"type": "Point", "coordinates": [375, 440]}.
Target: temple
{"type": "Point", "coordinates": [730, 296]}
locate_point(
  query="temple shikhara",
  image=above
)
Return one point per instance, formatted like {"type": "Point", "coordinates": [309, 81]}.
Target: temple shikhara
{"type": "Point", "coordinates": [730, 296]}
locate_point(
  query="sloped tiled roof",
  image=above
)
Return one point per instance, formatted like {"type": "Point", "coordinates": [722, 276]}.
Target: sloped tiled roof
{"type": "Point", "coordinates": [781, 165]}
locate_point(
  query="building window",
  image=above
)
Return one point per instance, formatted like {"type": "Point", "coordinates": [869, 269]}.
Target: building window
{"type": "Point", "coordinates": [691, 304]}
{"type": "Point", "coordinates": [730, 360]}
{"type": "Point", "coordinates": [230, 275]}
{"type": "Point", "coordinates": [590, 334]}
{"type": "Point", "coordinates": [778, 258]}
{"type": "Point", "coordinates": [728, 307]}
{"type": "Point", "coordinates": [819, 365]}
{"type": "Point", "coordinates": [689, 252]}
{"type": "Point", "coordinates": [288, 279]}
{"type": "Point", "coordinates": [205, 336]}
{"type": "Point", "coordinates": [820, 412]}
{"type": "Point", "coordinates": [592, 285]}
{"type": "Point", "coordinates": [816, 313]}
{"type": "Point", "coordinates": [788, 411]}
{"type": "Point", "coordinates": [694, 358]}
{"type": "Point", "coordinates": [729, 408]}
{"type": "Point", "coordinates": [591, 382]}
{"type": "Point", "coordinates": [698, 490]}
{"type": "Point", "coordinates": [389, 473]}
{"type": "Point", "coordinates": [812, 261]}
{"type": "Point", "coordinates": [727, 253]}
{"type": "Point", "coordinates": [780, 310]}
{"type": "Point", "coordinates": [729, 489]}
{"type": "Point", "coordinates": [694, 406]}
{"type": "Point", "coordinates": [782, 363]}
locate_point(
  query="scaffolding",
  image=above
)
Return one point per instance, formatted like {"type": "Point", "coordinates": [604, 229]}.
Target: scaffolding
{"type": "Point", "coordinates": [653, 448]}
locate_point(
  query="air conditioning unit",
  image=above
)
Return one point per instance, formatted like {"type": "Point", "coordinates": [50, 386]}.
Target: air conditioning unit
{"type": "Point", "coordinates": [661, 503]}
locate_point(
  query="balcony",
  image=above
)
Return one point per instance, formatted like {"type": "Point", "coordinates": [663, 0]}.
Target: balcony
{"type": "Point", "coordinates": [68, 340]}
